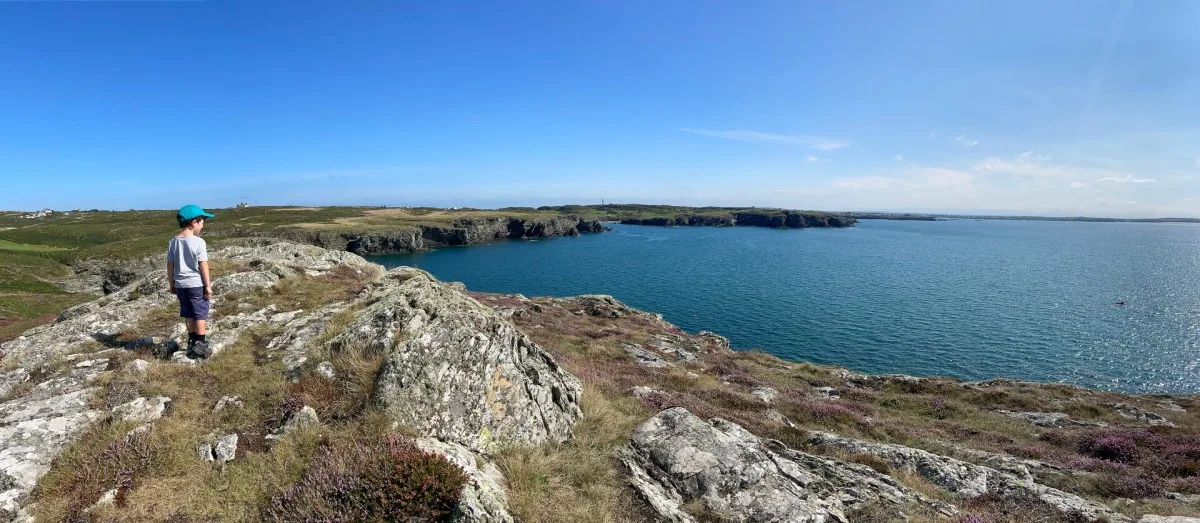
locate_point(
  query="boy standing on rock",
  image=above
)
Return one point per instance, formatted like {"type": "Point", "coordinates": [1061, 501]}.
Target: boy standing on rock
{"type": "Point", "coordinates": [187, 270]}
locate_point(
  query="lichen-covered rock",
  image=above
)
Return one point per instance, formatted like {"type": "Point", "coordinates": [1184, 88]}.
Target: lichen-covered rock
{"type": "Point", "coordinates": [676, 457]}
{"type": "Point", "coordinates": [967, 479]}
{"type": "Point", "coordinates": [303, 418]}
{"type": "Point", "coordinates": [1150, 518]}
{"type": "Point", "coordinates": [36, 426]}
{"type": "Point", "coordinates": [482, 499]}
{"type": "Point", "coordinates": [1128, 411]}
{"type": "Point", "coordinates": [293, 343]}
{"type": "Point", "coordinates": [456, 370]}
{"type": "Point", "coordinates": [142, 410]}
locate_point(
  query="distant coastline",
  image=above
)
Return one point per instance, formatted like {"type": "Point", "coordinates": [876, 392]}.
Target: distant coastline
{"type": "Point", "coordinates": [934, 217]}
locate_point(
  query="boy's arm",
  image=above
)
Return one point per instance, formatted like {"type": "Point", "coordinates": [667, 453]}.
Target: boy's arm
{"type": "Point", "coordinates": [206, 279]}
{"type": "Point", "coordinates": [202, 258]}
{"type": "Point", "coordinates": [170, 277]}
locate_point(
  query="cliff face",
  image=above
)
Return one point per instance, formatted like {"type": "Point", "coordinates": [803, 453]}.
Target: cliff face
{"type": "Point", "coordinates": [775, 219]}
{"type": "Point", "coordinates": [461, 232]}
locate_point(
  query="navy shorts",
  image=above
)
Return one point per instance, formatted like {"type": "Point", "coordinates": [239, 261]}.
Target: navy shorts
{"type": "Point", "coordinates": [192, 303]}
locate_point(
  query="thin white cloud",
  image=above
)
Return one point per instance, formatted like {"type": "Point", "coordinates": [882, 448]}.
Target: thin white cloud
{"type": "Point", "coordinates": [816, 142]}
{"type": "Point", "coordinates": [1197, 162]}
{"type": "Point", "coordinates": [1079, 185]}
{"type": "Point", "coordinates": [898, 158]}
{"type": "Point", "coordinates": [1128, 178]}
{"type": "Point", "coordinates": [933, 134]}
{"type": "Point", "coordinates": [1030, 156]}
{"type": "Point", "coordinates": [815, 159]}
{"type": "Point", "coordinates": [965, 140]}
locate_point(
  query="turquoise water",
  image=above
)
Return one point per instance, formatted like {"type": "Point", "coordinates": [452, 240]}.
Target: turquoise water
{"type": "Point", "coordinates": [965, 298]}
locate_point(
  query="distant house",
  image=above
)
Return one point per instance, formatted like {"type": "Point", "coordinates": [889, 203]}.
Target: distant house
{"type": "Point", "coordinates": [241, 205]}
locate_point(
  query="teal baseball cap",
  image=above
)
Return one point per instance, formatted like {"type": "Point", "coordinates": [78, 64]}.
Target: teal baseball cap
{"type": "Point", "coordinates": [191, 212]}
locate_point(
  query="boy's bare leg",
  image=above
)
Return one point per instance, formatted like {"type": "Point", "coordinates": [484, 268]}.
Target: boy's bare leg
{"type": "Point", "coordinates": [191, 326]}
{"type": "Point", "coordinates": [201, 327]}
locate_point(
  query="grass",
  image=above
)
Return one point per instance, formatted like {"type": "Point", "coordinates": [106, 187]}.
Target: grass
{"type": "Point", "coordinates": [579, 480]}
{"type": "Point", "coordinates": [6, 245]}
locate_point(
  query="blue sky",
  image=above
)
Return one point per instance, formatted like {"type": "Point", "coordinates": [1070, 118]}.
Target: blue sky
{"type": "Point", "coordinates": [1088, 107]}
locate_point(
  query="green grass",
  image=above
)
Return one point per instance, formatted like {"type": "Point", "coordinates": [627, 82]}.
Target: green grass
{"type": "Point", "coordinates": [14, 246]}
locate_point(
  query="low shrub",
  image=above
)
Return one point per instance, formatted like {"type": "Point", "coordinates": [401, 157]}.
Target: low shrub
{"type": "Point", "coordinates": [1109, 445]}
{"type": "Point", "coordinates": [1129, 486]}
{"type": "Point", "coordinates": [385, 480]}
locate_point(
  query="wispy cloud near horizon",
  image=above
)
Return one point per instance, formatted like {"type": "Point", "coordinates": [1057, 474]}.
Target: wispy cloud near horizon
{"type": "Point", "coordinates": [816, 142]}
{"type": "Point", "coordinates": [1128, 178]}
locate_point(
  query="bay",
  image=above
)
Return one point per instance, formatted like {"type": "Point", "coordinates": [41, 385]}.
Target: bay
{"type": "Point", "coordinates": [973, 299]}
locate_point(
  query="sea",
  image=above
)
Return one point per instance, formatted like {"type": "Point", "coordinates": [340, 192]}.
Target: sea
{"type": "Point", "coordinates": [1113, 306]}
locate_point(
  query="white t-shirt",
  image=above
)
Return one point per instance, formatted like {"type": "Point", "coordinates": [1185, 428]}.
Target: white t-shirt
{"type": "Point", "coordinates": [185, 255]}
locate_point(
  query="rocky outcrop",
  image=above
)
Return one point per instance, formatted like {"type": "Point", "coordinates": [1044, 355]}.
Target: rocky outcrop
{"type": "Point", "coordinates": [456, 370]}
{"type": "Point", "coordinates": [777, 219]}
{"type": "Point", "coordinates": [46, 400]}
{"type": "Point", "coordinates": [966, 479]}
{"type": "Point", "coordinates": [465, 231]}
{"type": "Point", "coordinates": [1128, 411]}
{"type": "Point", "coordinates": [675, 458]}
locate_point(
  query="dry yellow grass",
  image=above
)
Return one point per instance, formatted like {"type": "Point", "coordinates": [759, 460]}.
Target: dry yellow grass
{"type": "Point", "coordinates": [581, 480]}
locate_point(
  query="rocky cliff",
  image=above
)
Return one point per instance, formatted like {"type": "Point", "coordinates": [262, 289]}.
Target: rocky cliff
{"type": "Point", "coordinates": [464, 231]}
{"type": "Point", "coordinates": [774, 219]}
{"type": "Point", "coordinates": [339, 390]}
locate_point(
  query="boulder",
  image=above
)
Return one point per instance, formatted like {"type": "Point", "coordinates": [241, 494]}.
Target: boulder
{"type": "Point", "coordinates": [482, 499]}
{"type": "Point", "coordinates": [142, 410]}
{"type": "Point", "coordinates": [967, 479]}
{"type": "Point", "coordinates": [303, 418]}
{"type": "Point", "coordinates": [765, 394]}
{"type": "Point", "coordinates": [1128, 411]}
{"type": "Point", "coordinates": [676, 458]}
{"type": "Point", "coordinates": [456, 370]}
{"type": "Point", "coordinates": [228, 402]}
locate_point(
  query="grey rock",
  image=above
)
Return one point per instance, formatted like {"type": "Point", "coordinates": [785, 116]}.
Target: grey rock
{"type": "Point", "coordinates": [677, 348]}
{"type": "Point", "coordinates": [142, 410]}
{"type": "Point", "coordinates": [828, 392]}
{"type": "Point", "coordinates": [482, 499]}
{"type": "Point", "coordinates": [137, 367]}
{"type": "Point", "coordinates": [1041, 419]}
{"type": "Point", "coordinates": [721, 342]}
{"type": "Point", "coordinates": [1150, 518]}
{"type": "Point", "coordinates": [1171, 406]}
{"type": "Point", "coordinates": [243, 281]}
{"type": "Point", "coordinates": [765, 394]}
{"type": "Point", "coordinates": [225, 448]}
{"type": "Point", "coordinates": [228, 402]}
{"type": "Point", "coordinates": [967, 479]}
{"type": "Point", "coordinates": [645, 357]}
{"type": "Point", "coordinates": [456, 370]}
{"type": "Point", "coordinates": [303, 418]}
{"type": "Point", "coordinates": [205, 452]}
{"type": "Point", "coordinates": [1128, 411]}
{"type": "Point", "coordinates": [325, 369]}
{"type": "Point", "coordinates": [676, 457]}
{"type": "Point", "coordinates": [643, 392]}
{"type": "Point", "coordinates": [293, 343]}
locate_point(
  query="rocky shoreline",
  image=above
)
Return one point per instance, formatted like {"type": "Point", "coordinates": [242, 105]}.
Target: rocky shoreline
{"type": "Point", "coordinates": [319, 354]}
